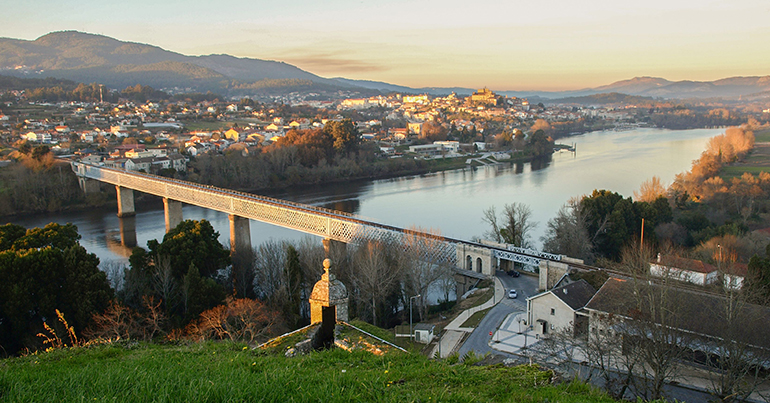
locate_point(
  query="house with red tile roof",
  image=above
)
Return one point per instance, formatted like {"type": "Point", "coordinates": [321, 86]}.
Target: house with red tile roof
{"type": "Point", "coordinates": [683, 269]}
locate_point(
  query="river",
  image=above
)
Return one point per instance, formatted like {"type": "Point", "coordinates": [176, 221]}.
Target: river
{"type": "Point", "coordinates": [450, 202]}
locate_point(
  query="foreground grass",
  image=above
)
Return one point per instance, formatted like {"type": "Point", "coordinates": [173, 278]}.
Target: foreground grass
{"type": "Point", "coordinates": [226, 372]}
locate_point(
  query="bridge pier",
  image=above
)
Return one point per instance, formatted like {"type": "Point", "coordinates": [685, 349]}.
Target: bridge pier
{"type": "Point", "coordinates": [125, 202]}
{"type": "Point", "coordinates": [172, 210]}
{"type": "Point", "coordinates": [240, 234]}
{"type": "Point", "coordinates": [127, 231]}
{"type": "Point", "coordinates": [88, 185]}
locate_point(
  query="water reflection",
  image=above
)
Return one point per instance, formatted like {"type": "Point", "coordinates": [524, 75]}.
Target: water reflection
{"type": "Point", "coordinates": [450, 201]}
{"type": "Point", "coordinates": [128, 231]}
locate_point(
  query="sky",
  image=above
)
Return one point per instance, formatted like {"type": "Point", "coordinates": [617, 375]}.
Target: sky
{"type": "Point", "coordinates": [546, 45]}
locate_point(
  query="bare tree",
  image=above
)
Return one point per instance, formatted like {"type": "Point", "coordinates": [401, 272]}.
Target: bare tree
{"type": "Point", "coordinates": [270, 265]}
{"type": "Point", "coordinates": [635, 259]}
{"type": "Point", "coordinates": [373, 276]}
{"type": "Point", "coordinates": [243, 273]}
{"type": "Point", "coordinates": [655, 334]}
{"type": "Point", "coordinates": [560, 349]}
{"type": "Point", "coordinates": [115, 274]}
{"type": "Point", "coordinates": [513, 227]}
{"type": "Point", "coordinates": [115, 323]}
{"type": "Point", "coordinates": [155, 319]}
{"type": "Point", "coordinates": [614, 362]}
{"type": "Point", "coordinates": [738, 348]}
{"type": "Point", "coordinates": [240, 319]}
{"type": "Point", "coordinates": [419, 271]}
{"type": "Point", "coordinates": [650, 190]}
{"type": "Point", "coordinates": [567, 233]}
{"type": "Point", "coordinates": [650, 324]}
{"type": "Point", "coordinates": [163, 281]}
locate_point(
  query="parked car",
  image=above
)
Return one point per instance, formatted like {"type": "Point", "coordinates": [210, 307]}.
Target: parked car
{"type": "Point", "coordinates": [512, 293]}
{"type": "Point", "coordinates": [513, 273]}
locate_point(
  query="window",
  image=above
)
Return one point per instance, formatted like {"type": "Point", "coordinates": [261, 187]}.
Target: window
{"type": "Point", "coordinates": [553, 311]}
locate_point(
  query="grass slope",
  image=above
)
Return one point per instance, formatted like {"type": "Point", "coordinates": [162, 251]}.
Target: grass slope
{"type": "Point", "coordinates": [757, 161]}
{"type": "Point", "coordinates": [226, 372]}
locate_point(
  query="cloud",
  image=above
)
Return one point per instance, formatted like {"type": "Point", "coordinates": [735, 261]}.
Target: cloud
{"type": "Point", "coordinates": [326, 63]}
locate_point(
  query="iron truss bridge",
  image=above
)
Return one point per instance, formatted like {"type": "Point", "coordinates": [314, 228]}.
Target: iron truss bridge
{"type": "Point", "coordinates": [319, 221]}
{"type": "Point", "coordinates": [524, 255]}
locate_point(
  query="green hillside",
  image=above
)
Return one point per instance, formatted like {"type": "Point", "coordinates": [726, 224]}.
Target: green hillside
{"type": "Point", "coordinates": [228, 372]}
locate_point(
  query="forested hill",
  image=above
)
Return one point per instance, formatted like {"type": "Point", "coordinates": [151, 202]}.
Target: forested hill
{"type": "Point", "coordinates": [603, 99]}
{"type": "Point", "coordinates": [90, 58]}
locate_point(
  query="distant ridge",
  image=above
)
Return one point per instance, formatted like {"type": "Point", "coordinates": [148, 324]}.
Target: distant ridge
{"type": "Point", "coordinates": [609, 98]}
{"type": "Point", "coordinates": [385, 87]}
{"type": "Point", "coordinates": [92, 58]}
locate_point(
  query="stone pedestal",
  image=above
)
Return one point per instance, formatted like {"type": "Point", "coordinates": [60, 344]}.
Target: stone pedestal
{"type": "Point", "coordinates": [328, 293]}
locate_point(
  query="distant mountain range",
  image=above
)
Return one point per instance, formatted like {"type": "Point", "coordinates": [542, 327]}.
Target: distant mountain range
{"type": "Point", "coordinates": [92, 58]}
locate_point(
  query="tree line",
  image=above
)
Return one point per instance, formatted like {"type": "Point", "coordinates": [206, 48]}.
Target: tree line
{"type": "Point", "coordinates": [188, 286]}
{"type": "Point", "coordinates": [310, 156]}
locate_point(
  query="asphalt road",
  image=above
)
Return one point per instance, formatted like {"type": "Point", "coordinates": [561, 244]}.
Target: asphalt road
{"type": "Point", "coordinates": [526, 286]}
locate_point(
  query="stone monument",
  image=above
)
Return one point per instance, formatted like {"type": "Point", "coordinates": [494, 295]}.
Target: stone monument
{"type": "Point", "coordinates": [329, 298]}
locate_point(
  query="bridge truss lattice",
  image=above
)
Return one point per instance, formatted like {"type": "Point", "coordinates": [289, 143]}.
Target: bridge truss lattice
{"type": "Point", "coordinates": [319, 221]}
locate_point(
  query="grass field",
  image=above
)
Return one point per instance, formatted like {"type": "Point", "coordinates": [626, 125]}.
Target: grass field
{"type": "Point", "coordinates": [229, 372]}
{"type": "Point", "coordinates": [762, 136]}
{"type": "Point", "coordinates": [757, 161]}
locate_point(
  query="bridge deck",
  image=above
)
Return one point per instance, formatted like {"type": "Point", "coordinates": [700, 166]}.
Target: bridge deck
{"type": "Point", "coordinates": [313, 220]}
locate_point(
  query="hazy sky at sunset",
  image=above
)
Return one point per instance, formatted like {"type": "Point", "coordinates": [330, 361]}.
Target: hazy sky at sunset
{"type": "Point", "coordinates": [502, 44]}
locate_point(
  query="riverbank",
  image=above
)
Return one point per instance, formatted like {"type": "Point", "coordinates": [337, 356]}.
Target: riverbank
{"type": "Point", "coordinates": [107, 201]}
{"type": "Point", "coordinates": [449, 201]}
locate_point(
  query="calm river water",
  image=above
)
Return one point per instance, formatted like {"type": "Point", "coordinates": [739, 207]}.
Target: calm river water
{"type": "Point", "coordinates": [451, 202]}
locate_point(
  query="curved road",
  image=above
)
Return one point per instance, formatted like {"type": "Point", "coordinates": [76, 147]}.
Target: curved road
{"type": "Point", "coordinates": [526, 286]}
{"type": "Point", "coordinates": [479, 340]}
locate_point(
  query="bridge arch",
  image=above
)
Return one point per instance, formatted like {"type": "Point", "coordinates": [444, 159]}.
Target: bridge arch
{"type": "Point", "coordinates": [476, 258]}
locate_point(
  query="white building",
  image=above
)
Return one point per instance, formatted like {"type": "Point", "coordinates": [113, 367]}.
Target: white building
{"type": "Point", "coordinates": [681, 269]}
{"type": "Point", "coordinates": [451, 146]}
{"type": "Point", "coordinates": [427, 149]}
{"type": "Point", "coordinates": [560, 309]}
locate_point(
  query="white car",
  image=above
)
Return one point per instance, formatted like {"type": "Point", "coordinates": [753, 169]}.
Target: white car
{"type": "Point", "coordinates": [512, 293]}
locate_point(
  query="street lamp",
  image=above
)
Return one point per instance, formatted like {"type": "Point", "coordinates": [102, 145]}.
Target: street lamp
{"type": "Point", "coordinates": [411, 332]}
